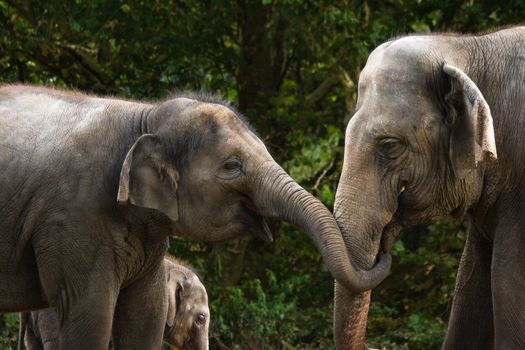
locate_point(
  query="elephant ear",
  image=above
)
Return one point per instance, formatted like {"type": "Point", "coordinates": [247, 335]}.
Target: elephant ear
{"type": "Point", "coordinates": [147, 180]}
{"type": "Point", "coordinates": [472, 137]}
{"type": "Point", "coordinates": [174, 302]}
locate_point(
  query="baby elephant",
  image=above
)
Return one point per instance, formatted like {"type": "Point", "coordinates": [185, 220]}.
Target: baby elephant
{"type": "Point", "coordinates": [186, 326]}
{"type": "Point", "coordinates": [188, 312]}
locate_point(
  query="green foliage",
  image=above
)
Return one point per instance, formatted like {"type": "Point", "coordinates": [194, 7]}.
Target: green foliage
{"type": "Point", "coordinates": [292, 67]}
{"type": "Point", "coordinates": [258, 315]}
{"type": "Point", "coordinates": [317, 160]}
{"type": "Point", "coordinates": [8, 331]}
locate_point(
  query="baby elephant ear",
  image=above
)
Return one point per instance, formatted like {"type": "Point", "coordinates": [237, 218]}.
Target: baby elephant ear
{"type": "Point", "coordinates": [147, 180]}
{"type": "Point", "coordinates": [472, 133]}
{"type": "Point", "coordinates": [175, 289]}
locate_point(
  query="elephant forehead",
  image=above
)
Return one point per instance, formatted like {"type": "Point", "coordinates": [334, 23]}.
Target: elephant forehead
{"type": "Point", "coordinates": [396, 120]}
{"type": "Point", "coordinates": [383, 85]}
{"type": "Point", "coordinates": [398, 67]}
{"type": "Point", "coordinates": [198, 297]}
{"type": "Point", "coordinates": [234, 130]}
{"type": "Point", "coordinates": [393, 88]}
{"type": "Point", "coordinates": [407, 52]}
{"type": "Point", "coordinates": [387, 96]}
{"type": "Point", "coordinates": [220, 112]}
{"type": "Point", "coordinates": [194, 285]}
{"type": "Point", "coordinates": [193, 281]}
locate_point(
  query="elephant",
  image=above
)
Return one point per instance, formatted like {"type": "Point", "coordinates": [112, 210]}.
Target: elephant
{"type": "Point", "coordinates": [93, 187]}
{"type": "Point", "coordinates": [438, 131]}
{"type": "Point", "coordinates": [187, 320]}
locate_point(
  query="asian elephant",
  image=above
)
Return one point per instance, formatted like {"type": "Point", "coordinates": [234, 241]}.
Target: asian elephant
{"type": "Point", "coordinates": [188, 317]}
{"type": "Point", "coordinates": [187, 321]}
{"type": "Point", "coordinates": [439, 131]}
{"type": "Point", "coordinates": [92, 188]}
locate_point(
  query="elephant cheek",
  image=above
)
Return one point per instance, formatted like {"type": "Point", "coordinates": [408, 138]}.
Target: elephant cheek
{"type": "Point", "coordinates": [196, 340]}
{"type": "Point", "coordinates": [172, 337]}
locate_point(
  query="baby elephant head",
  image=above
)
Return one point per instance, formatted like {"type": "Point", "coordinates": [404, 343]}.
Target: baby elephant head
{"type": "Point", "coordinates": [188, 312]}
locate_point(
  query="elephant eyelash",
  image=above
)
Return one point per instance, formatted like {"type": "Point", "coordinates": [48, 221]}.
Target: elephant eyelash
{"type": "Point", "coordinates": [232, 165]}
{"type": "Point", "coordinates": [391, 148]}
{"type": "Point", "coordinates": [230, 169]}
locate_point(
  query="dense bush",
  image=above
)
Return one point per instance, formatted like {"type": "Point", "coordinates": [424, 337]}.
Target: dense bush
{"type": "Point", "coordinates": [8, 332]}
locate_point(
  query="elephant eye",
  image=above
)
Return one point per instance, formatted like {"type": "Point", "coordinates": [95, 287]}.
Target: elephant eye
{"type": "Point", "coordinates": [230, 169]}
{"type": "Point", "coordinates": [391, 148]}
{"type": "Point", "coordinates": [232, 164]}
{"type": "Point", "coordinates": [200, 319]}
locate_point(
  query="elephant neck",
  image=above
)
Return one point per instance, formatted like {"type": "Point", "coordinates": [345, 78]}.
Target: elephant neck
{"type": "Point", "coordinates": [144, 121]}
{"type": "Point", "coordinates": [150, 224]}
{"type": "Point", "coordinates": [501, 193]}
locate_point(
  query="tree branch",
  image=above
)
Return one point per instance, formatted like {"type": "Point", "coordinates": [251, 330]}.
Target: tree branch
{"type": "Point", "coordinates": [348, 87]}
{"type": "Point", "coordinates": [336, 75]}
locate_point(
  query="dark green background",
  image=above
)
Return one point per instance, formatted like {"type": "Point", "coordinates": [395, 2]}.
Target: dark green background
{"type": "Point", "coordinates": [291, 67]}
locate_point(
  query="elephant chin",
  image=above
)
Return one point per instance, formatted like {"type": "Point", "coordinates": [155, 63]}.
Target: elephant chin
{"type": "Point", "coordinates": [260, 228]}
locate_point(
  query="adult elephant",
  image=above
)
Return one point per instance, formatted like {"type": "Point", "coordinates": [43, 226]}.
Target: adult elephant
{"type": "Point", "coordinates": [431, 112]}
{"type": "Point", "coordinates": [92, 188]}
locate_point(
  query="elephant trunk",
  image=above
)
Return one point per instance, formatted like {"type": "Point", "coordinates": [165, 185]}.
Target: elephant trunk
{"type": "Point", "coordinates": [350, 316]}
{"type": "Point", "coordinates": [281, 197]}
{"type": "Point", "coordinates": [362, 215]}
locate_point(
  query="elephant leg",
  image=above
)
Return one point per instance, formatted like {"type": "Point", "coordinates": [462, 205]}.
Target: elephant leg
{"type": "Point", "coordinates": [508, 288]}
{"type": "Point", "coordinates": [31, 342]}
{"type": "Point", "coordinates": [47, 323]}
{"type": "Point", "coordinates": [140, 315]}
{"type": "Point", "coordinates": [470, 325]}
{"type": "Point", "coordinates": [82, 292]}
{"type": "Point", "coordinates": [28, 338]}
{"type": "Point", "coordinates": [86, 320]}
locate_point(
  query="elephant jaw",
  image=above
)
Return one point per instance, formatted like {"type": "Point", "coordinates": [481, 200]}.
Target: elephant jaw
{"type": "Point", "coordinates": [260, 228]}
{"type": "Point", "coordinates": [262, 231]}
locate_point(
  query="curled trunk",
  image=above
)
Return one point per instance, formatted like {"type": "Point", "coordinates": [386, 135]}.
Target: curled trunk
{"type": "Point", "coordinates": [282, 197]}
{"type": "Point", "coordinates": [362, 219]}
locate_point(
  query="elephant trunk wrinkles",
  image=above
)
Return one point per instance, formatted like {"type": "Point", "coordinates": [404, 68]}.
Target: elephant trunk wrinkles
{"type": "Point", "coordinates": [361, 222]}
{"type": "Point", "coordinates": [282, 197]}
{"type": "Point", "coordinates": [350, 317]}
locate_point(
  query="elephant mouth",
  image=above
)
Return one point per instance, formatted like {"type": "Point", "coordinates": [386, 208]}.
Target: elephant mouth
{"type": "Point", "coordinates": [389, 235]}
{"type": "Point", "coordinates": [257, 224]}
{"type": "Point", "coordinates": [262, 230]}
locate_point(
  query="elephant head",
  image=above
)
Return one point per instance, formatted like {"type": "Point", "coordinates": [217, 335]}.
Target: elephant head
{"type": "Point", "coordinates": [413, 153]}
{"type": "Point", "coordinates": [201, 165]}
{"type": "Point", "coordinates": [188, 316]}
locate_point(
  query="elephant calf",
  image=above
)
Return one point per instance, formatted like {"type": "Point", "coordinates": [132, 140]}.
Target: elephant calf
{"type": "Point", "coordinates": [186, 324]}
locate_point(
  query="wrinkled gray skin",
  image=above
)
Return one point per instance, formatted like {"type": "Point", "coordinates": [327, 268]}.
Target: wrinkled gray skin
{"type": "Point", "coordinates": [187, 321]}
{"type": "Point", "coordinates": [38, 330]}
{"type": "Point", "coordinates": [439, 131]}
{"type": "Point", "coordinates": [92, 187]}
